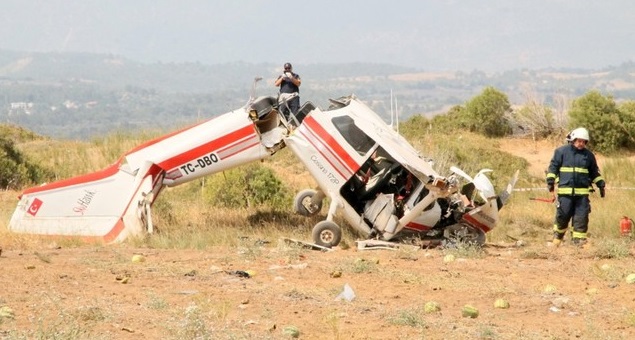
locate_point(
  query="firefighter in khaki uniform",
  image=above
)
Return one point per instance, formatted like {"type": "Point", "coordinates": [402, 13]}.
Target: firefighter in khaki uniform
{"type": "Point", "coordinates": [574, 167]}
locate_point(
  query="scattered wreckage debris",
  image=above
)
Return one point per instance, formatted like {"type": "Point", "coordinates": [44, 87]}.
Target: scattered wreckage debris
{"type": "Point", "coordinates": [306, 245]}
{"type": "Point", "coordinates": [241, 273]}
{"type": "Point", "coordinates": [379, 244]}
{"type": "Point", "coordinates": [347, 294]}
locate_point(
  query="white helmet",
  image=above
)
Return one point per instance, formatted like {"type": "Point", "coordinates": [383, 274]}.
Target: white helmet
{"type": "Point", "coordinates": [579, 133]}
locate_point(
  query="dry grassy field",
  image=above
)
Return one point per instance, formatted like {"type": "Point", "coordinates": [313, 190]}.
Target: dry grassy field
{"type": "Point", "coordinates": [60, 289]}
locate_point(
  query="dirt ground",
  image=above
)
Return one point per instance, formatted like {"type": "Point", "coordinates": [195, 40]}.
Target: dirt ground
{"type": "Point", "coordinates": [99, 292]}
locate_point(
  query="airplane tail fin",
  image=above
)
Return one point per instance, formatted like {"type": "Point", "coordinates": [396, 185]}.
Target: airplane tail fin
{"type": "Point", "coordinates": [108, 205]}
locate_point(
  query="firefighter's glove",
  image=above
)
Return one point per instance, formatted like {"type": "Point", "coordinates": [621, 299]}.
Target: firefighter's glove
{"type": "Point", "coordinates": [602, 192]}
{"type": "Point", "coordinates": [550, 187]}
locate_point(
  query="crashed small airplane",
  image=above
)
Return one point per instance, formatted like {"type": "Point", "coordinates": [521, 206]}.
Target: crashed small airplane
{"type": "Point", "coordinates": [380, 183]}
{"type": "Point", "coordinates": [370, 174]}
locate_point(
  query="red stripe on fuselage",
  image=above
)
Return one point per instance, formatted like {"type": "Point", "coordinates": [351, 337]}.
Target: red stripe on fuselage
{"type": "Point", "coordinates": [239, 146]}
{"type": "Point", "coordinates": [205, 149]}
{"type": "Point", "coordinates": [242, 149]}
{"type": "Point", "coordinates": [469, 218]}
{"type": "Point", "coordinates": [321, 148]}
{"type": "Point", "coordinates": [331, 145]}
{"type": "Point", "coordinates": [417, 226]}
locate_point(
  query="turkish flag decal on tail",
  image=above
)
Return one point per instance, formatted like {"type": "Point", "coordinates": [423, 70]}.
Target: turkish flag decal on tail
{"type": "Point", "coordinates": [34, 207]}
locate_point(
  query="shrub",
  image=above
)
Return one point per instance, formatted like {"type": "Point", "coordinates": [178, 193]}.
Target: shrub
{"type": "Point", "coordinates": [247, 186]}
{"type": "Point", "coordinates": [486, 113]}
{"type": "Point", "coordinates": [15, 171]}
{"type": "Point", "coordinates": [534, 119]}
{"type": "Point", "coordinates": [604, 120]}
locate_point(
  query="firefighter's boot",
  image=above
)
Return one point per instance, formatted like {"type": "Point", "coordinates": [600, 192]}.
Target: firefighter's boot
{"type": "Point", "coordinates": [557, 239]}
{"type": "Point", "coordinates": [579, 242]}
{"type": "Point", "coordinates": [558, 235]}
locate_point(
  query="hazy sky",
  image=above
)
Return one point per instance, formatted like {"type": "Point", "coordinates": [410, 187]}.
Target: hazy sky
{"type": "Point", "coordinates": [490, 35]}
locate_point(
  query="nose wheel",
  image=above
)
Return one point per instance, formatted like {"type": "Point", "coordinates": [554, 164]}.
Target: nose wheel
{"type": "Point", "coordinates": [327, 234]}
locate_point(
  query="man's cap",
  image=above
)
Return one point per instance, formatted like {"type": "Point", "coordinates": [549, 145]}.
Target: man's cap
{"type": "Point", "coordinates": [287, 66]}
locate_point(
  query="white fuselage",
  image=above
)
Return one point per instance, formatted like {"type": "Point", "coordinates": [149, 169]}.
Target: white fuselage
{"type": "Point", "coordinates": [334, 145]}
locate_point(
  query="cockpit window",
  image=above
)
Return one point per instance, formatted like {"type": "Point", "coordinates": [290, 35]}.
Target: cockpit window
{"type": "Point", "coordinates": [353, 134]}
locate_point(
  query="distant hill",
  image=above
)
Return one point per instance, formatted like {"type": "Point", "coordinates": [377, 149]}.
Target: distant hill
{"type": "Point", "coordinates": [78, 96]}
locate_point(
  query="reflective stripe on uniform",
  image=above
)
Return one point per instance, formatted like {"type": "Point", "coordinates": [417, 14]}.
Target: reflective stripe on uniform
{"type": "Point", "coordinates": [559, 231]}
{"type": "Point", "coordinates": [572, 191]}
{"type": "Point", "coordinates": [577, 234]}
{"type": "Point", "coordinates": [576, 169]}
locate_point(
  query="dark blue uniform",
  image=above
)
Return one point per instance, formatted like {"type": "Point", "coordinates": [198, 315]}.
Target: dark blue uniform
{"type": "Point", "coordinates": [287, 86]}
{"type": "Point", "coordinates": [574, 170]}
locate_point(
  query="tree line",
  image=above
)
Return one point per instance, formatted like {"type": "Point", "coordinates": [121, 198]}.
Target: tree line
{"type": "Point", "coordinates": [610, 124]}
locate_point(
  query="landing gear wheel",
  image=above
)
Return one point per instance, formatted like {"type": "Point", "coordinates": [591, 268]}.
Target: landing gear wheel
{"type": "Point", "coordinates": [302, 203]}
{"type": "Point", "coordinates": [327, 234]}
{"type": "Point", "coordinates": [463, 233]}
